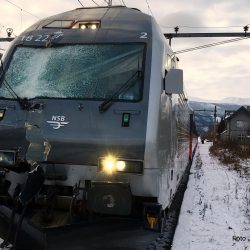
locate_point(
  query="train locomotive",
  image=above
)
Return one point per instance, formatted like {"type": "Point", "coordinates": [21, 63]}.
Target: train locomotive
{"type": "Point", "coordinates": [93, 119]}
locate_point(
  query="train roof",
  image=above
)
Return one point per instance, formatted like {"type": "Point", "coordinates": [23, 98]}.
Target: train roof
{"type": "Point", "coordinates": [114, 17]}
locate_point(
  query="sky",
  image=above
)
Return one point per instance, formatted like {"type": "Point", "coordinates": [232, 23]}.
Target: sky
{"type": "Point", "coordinates": [212, 73]}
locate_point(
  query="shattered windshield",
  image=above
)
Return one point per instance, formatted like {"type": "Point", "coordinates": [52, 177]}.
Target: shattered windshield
{"type": "Point", "coordinates": [75, 71]}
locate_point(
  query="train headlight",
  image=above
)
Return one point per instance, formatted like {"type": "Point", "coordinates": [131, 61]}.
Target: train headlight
{"type": "Point", "coordinates": [110, 165]}
{"type": "Point", "coordinates": [82, 26]}
{"type": "Point", "coordinates": [2, 111]}
{"type": "Point", "coordinates": [120, 165]}
{"type": "Point", "coordinates": [93, 25]}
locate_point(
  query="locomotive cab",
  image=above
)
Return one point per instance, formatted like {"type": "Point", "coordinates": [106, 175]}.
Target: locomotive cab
{"type": "Point", "coordinates": [86, 111]}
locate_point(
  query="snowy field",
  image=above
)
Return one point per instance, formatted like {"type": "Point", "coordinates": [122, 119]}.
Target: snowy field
{"type": "Point", "coordinates": [215, 213]}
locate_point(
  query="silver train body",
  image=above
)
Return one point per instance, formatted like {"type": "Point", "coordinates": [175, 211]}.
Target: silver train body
{"type": "Point", "coordinates": [98, 104]}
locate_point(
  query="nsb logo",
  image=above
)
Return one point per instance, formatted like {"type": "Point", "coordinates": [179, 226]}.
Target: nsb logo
{"type": "Point", "coordinates": [57, 121]}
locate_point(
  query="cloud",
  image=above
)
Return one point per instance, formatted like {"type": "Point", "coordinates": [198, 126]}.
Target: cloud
{"type": "Point", "coordinates": [181, 18]}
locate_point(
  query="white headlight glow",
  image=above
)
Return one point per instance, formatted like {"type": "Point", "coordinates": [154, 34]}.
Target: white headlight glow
{"type": "Point", "coordinates": [93, 26]}
{"type": "Point", "coordinates": [109, 164]}
{"type": "Point", "coordinates": [83, 26]}
{"type": "Point", "coordinates": [120, 165]}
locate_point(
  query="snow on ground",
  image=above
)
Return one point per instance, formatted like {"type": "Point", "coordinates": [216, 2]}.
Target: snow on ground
{"type": "Point", "coordinates": [215, 213]}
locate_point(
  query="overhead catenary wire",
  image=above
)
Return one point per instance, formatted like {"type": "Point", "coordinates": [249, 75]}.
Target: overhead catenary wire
{"type": "Point", "coordinates": [149, 8]}
{"type": "Point", "coordinates": [95, 2]}
{"type": "Point", "coordinates": [22, 9]}
{"type": "Point", "coordinates": [203, 27]}
{"type": "Point", "coordinates": [211, 45]}
{"type": "Point", "coordinates": [1, 27]}
{"type": "Point", "coordinates": [108, 2]}
{"type": "Point", "coordinates": [21, 15]}
{"type": "Point", "coordinates": [80, 3]}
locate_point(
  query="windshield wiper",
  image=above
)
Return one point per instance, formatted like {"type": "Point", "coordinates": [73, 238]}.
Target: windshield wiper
{"type": "Point", "coordinates": [23, 102]}
{"type": "Point", "coordinates": [108, 102]}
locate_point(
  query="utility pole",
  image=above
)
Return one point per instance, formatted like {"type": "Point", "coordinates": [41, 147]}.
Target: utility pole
{"type": "Point", "coordinates": [170, 36]}
{"type": "Point", "coordinates": [110, 3]}
{"type": "Point", "coordinates": [215, 115]}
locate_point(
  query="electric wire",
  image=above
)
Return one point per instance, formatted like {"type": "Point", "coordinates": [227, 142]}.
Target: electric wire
{"type": "Point", "coordinates": [95, 2]}
{"type": "Point", "coordinates": [107, 2]}
{"type": "Point", "coordinates": [80, 3]}
{"type": "Point", "coordinates": [211, 45]}
{"type": "Point", "coordinates": [22, 9]}
{"type": "Point", "coordinates": [123, 3]}
{"type": "Point", "coordinates": [21, 15]}
{"type": "Point", "coordinates": [149, 8]}
{"type": "Point", "coordinates": [1, 27]}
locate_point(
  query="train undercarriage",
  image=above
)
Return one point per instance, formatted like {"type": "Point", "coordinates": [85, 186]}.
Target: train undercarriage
{"type": "Point", "coordinates": [30, 209]}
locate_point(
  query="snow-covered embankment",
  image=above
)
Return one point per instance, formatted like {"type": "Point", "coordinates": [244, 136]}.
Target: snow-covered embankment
{"type": "Point", "coordinates": [215, 213]}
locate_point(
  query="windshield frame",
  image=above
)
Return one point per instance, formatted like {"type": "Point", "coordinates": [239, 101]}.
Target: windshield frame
{"type": "Point", "coordinates": [9, 58]}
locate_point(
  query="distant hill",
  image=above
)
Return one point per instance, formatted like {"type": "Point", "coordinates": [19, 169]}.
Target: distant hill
{"type": "Point", "coordinates": [229, 100]}
{"type": "Point", "coordinates": [204, 113]}
{"type": "Point", "coordinates": [236, 100]}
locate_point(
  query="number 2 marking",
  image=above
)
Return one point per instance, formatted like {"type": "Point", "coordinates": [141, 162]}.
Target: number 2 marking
{"type": "Point", "coordinates": [45, 39]}
{"type": "Point", "coordinates": [144, 35]}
